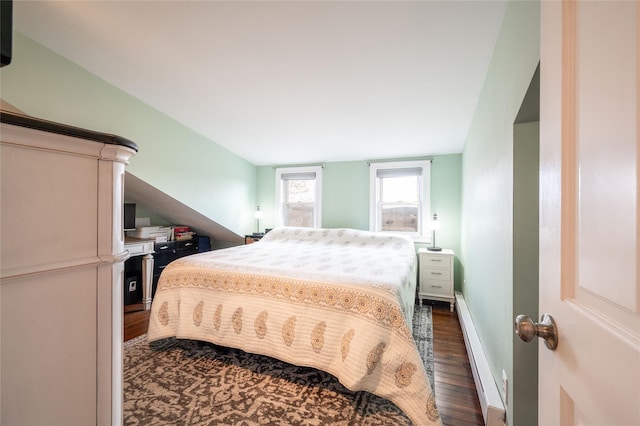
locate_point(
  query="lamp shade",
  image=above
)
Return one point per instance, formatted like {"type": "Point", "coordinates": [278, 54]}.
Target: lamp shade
{"type": "Point", "coordinates": [258, 216]}
{"type": "Point", "coordinates": [435, 224]}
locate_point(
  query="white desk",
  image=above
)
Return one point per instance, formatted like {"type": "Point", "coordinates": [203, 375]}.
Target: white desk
{"type": "Point", "coordinates": [138, 247]}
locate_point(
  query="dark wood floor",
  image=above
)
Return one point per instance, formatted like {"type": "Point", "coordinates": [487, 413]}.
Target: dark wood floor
{"type": "Point", "coordinates": [456, 395]}
{"type": "Point", "coordinates": [136, 323]}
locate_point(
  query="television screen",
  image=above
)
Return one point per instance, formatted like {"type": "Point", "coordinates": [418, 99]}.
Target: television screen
{"type": "Point", "coordinates": [6, 31]}
{"type": "Point", "coordinates": [129, 216]}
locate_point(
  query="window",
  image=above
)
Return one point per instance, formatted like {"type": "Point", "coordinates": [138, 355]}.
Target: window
{"type": "Point", "coordinates": [298, 196]}
{"type": "Point", "coordinates": [400, 197]}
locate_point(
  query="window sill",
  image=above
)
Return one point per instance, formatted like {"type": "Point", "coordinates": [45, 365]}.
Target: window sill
{"type": "Point", "coordinates": [419, 239]}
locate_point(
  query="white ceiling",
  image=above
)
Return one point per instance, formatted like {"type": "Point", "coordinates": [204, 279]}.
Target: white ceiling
{"type": "Point", "coordinates": [288, 82]}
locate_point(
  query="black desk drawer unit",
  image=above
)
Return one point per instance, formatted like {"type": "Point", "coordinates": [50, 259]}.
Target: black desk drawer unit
{"type": "Point", "coordinates": [166, 253]}
{"type": "Point", "coordinates": [185, 248]}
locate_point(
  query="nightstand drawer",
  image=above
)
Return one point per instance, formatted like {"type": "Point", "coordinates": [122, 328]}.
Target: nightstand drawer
{"type": "Point", "coordinates": [436, 261]}
{"type": "Point", "coordinates": [442, 288]}
{"type": "Point", "coordinates": [435, 274]}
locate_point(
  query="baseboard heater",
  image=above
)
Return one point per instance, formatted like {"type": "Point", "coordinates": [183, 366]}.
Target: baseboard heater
{"type": "Point", "coordinates": [492, 407]}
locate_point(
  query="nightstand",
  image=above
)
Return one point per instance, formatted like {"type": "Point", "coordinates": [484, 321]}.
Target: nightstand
{"type": "Point", "coordinates": [253, 238]}
{"type": "Point", "coordinates": [435, 280]}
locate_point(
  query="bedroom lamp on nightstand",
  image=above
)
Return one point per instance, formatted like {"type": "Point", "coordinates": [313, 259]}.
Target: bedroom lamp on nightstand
{"type": "Point", "coordinates": [434, 225]}
{"type": "Point", "coordinates": [258, 215]}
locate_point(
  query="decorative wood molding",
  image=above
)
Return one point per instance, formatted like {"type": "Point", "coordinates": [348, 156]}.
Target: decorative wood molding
{"type": "Point", "coordinates": [569, 178]}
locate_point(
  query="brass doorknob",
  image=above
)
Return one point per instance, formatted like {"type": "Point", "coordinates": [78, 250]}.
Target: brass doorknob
{"type": "Point", "coordinates": [527, 330]}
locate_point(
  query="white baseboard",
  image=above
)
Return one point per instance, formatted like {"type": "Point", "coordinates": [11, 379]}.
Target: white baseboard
{"type": "Point", "coordinates": [493, 409]}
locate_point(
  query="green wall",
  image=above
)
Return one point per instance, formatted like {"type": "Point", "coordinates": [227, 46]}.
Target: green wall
{"type": "Point", "coordinates": [173, 158]}
{"type": "Point", "coordinates": [487, 195]}
{"type": "Point", "coordinates": [345, 198]}
{"type": "Point", "coordinates": [446, 201]}
{"type": "Point", "coordinates": [526, 164]}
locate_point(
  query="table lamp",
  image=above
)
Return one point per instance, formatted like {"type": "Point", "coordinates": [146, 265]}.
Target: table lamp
{"type": "Point", "coordinates": [258, 215]}
{"type": "Point", "coordinates": [435, 224]}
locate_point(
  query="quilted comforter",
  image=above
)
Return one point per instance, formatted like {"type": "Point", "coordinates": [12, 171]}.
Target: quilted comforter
{"type": "Point", "coordinates": [339, 300]}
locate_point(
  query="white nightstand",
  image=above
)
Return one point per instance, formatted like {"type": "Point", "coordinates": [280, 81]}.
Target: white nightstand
{"type": "Point", "coordinates": [436, 275]}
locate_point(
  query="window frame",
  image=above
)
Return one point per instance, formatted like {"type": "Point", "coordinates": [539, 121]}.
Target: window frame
{"type": "Point", "coordinates": [424, 193]}
{"type": "Point", "coordinates": [317, 212]}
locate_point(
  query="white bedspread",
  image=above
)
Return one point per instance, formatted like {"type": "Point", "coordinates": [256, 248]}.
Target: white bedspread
{"type": "Point", "coordinates": [339, 300]}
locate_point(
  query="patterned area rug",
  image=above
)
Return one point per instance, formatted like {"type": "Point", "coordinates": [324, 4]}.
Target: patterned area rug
{"type": "Point", "coordinates": [183, 382]}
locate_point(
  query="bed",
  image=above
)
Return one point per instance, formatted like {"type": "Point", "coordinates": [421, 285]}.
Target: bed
{"type": "Point", "coordinates": [339, 300]}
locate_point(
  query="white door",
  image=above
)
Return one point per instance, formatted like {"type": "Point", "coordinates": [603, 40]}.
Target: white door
{"type": "Point", "coordinates": [589, 127]}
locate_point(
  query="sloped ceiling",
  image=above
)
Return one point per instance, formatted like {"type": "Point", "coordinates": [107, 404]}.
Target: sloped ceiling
{"type": "Point", "coordinates": [147, 196]}
{"type": "Point", "coordinates": [288, 82]}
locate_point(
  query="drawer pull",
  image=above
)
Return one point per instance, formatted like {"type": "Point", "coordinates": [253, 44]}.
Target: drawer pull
{"type": "Point", "coordinates": [188, 244]}
{"type": "Point", "coordinates": [436, 273]}
{"type": "Point", "coordinates": [163, 248]}
{"type": "Point", "coordinates": [436, 260]}
{"type": "Point", "coordinates": [436, 286]}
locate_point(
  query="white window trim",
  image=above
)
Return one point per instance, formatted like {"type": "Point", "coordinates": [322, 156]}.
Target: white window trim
{"type": "Point", "coordinates": [425, 192]}
{"type": "Point", "coordinates": [279, 219]}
